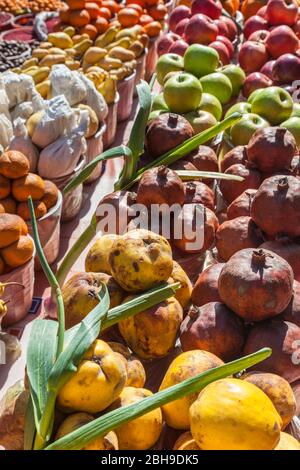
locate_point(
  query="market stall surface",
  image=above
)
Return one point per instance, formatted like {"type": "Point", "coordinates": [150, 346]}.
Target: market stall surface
{"type": "Point", "coordinates": [70, 231]}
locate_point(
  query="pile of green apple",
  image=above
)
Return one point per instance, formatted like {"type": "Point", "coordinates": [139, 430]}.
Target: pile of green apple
{"type": "Point", "coordinates": [195, 86]}
{"type": "Point", "coordinates": [265, 107]}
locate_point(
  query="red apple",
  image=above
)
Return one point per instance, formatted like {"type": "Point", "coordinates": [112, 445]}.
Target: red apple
{"type": "Point", "coordinates": [255, 81]}
{"type": "Point", "coordinates": [222, 27]}
{"type": "Point", "coordinates": [252, 56]}
{"type": "Point", "coordinates": [296, 29]}
{"type": "Point", "coordinates": [211, 8]}
{"type": "Point", "coordinates": [262, 12]}
{"type": "Point", "coordinates": [232, 28]}
{"type": "Point", "coordinates": [254, 23]}
{"type": "Point", "coordinates": [200, 29]}
{"type": "Point", "coordinates": [180, 28]}
{"type": "Point", "coordinates": [178, 14]}
{"type": "Point", "coordinates": [267, 69]}
{"type": "Point", "coordinates": [179, 47]}
{"type": "Point", "coordinates": [282, 12]}
{"type": "Point", "coordinates": [282, 40]}
{"type": "Point", "coordinates": [260, 36]}
{"type": "Point", "coordinates": [227, 43]}
{"type": "Point", "coordinates": [287, 68]}
{"type": "Point", "coordinates": [165, 42]}
{"type": "Point", "coordinates": [222, 51]}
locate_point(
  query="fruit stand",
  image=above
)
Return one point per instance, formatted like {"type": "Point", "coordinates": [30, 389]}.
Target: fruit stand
{"type": "Point", "coordinates": [149, 225]}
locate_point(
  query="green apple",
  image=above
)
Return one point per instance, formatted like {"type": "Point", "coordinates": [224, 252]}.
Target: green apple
{"type": "Point", "coordinates": [212, 105]}
{"type": "Point", "coordinates": [293, 125]}
{"type": "Point", "coordinates": [200, 60]}
{"type": "Point", "coordinates": [296, 110]}
{"type": "Point", "coordinates": [241, 107]}
{"type": "Point", "coordinates": [273, 103]}
{"type": "Point", "coordinates": [242, 131]}
{"type": "Point", "coordinates": [159, 103]}
{"type": "Point", "coordinates": [253, 95]}
{"type": "Point", "coordinates": [218, 85]}
{"type": "Point", "coordinates": [156, 113]}
{"type": "Point", "coordinates": [182, 93]}
{"type": "Point", "coordinates": [168, 63]}
{"type": "Point", "coordinates": [201, 120]}
{"type": "Point", "coordinates": [236, 75]}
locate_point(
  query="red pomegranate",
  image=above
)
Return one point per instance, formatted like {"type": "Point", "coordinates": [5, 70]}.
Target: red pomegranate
{"type": "Point", "coordinates": [182, 164]}
{"type": "Point", "coordinates": [232, 189]}
{"type": "Point", "coordinates": [288, 250]}
{"type": "Point", "coordinates": [241, 205]}
{"type": "Point", "coordinates": [237, 234]}
{"type": "Point", "coordinates": [234, 156]}
{"type": "Point", "coordinates": [213, 328]}
{"type": "Point", "coordinates": [276, 206]}
{"type": "Point", "coordinates": [206, 287]}
{"type": "Point", "coordinates": [199, 193]}
{"type": "Point", "coordinates": [292, 312]}
{"type": "Point", "coordinates": [195, 228]}
{"type": "Point", "coordinates": [256, 284]}
{"type": "Point", "coordinates": [272, 149]}
{"type": "Point", "coordinates": [204, 159]}
{"type": "Point", "coordinates": [283, 338]}
{"type": "Point", "coordinates": [121, 214]}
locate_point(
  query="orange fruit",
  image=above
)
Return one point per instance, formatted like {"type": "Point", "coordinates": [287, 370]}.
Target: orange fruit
{"type": "Point", "coordinates": [40, 210]}
{"type": "Point", "coordinates": [79, 18]}
{"type": "Point", "coordinates": [29, 185]}
{"type": "Point", "coordinates": [128, 17]}
{"type": "Point", "coordinates": [113, 6]}
{"type": "Point", "coordinates": [145, 19]}
{"type": "Point", "coordinates": [153, 29]}
{"type": "Point", "coordinates": [13, 164]}
{"type": "Point", "coordinates": [158, 12]}
{"type": "Point", "coordinates": [11, 228]}
{"type": "Point", "coordinates": [138, 8]}
{"type": "Point", "coordinates": [8, 206]}
{"type": "Point", "coordinates": [105, 13]}
{"type": "Point", "coordinates": [4, 187]}
{"type": "Point", "coordinates": [89, 29]}
{"type": "Point", "coordinates": [101, 24]}
{"type": "Point", "coordinates": [93, 10]}
{"type": "Point", "coordinates": [18, 253]}
{"type": "Point", "coordinates": [142, 3]}
{"type": "Point", "coordinates": [150, 3]}
{"type": "Point", "coordinates": [51, 194]}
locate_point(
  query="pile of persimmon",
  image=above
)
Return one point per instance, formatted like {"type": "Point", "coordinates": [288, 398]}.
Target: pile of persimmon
{"type": "Point", "coordinates": [17, 184]}
{"type": "Point", "coordinates": [94, 17]}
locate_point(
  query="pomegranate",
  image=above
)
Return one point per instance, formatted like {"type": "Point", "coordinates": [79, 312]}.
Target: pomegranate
{"type": "Point", "coordinates": [166, 132]}
{"type": "Point", "coordinates": [292, 312]}
{"type": "Point", "coordinates": [204, 159]}
{"type": "Point", "coordinates": [206, 287]}
{"type": "Point", "coordinates": [237, 234]}
{"type": "Point", "coordinates": [283, 338]}
{"type": "Point", "coordinates": [276, 206]}
{"type": "Point", "coordinates": [232, 189]}
{"type": "Point", "coordinates": [199, 193]}
{"type": "Point", "coordinates": [213, 328]}
{"type": "Point", "coordinates": [182, 164]}
{"type": "Point", "coordinates": [241, 205]}
{"type": "Point", "coordinates": [121, 202]}
{"type": "Point", "coordinates": [195, 228]}
{"type": "Point", "coordinates": [256, 284]}
{"type": "Point", "coordinates": [272, 149]}
{"type": "Point", "coordinates": [288, 250]}
{"type": "Point", "coordinates": [236, 155]}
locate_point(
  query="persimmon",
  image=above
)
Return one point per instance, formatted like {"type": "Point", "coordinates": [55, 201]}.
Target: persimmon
{"type": "Point", "coordinates": [153, 29]}
{"type": "Point", "coordinates": [105, 13]}
{"type": "Point", "coordinates": [79, 18]}
{"type": "Point", "coordinates": [158, 12]}
{"type": "Point", "coordinates": [89, 29]}
{"type": "Point", "coordinates": [93, 10]}
{"type": "Point", "coordinates": [101, 24]}
{"type": "Point", "coordinates": [18, 253]}
{"type": "Point", "coordinates": [128, 17]}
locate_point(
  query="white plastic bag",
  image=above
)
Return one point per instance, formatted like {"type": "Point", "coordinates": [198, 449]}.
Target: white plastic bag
{"type": "Point", "coordinates": [65, 82]}
{"type": "Point", "coordinates": [6, 131]}
{"type": "Point", "coordinates": [19, 88]}
{"type": "Point", "coordinates": [46, 126]}
{"type": "Point", "coordinates": [22, 143]}
{"type": "Point", "coordinates": [4, 101]}
{"type": "Point", "coordinates": [27, 108]}
{"type": "Point", "coordinates": [94, 99]}
{"type": "Point", "coordinates": [62, 156]}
